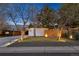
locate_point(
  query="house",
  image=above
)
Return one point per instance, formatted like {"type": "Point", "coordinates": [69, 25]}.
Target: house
{"type": "Point", "coordinates": [31, 31]}
{"type": "Point", "coordinates": [11, 31]}
{"type": "Point", "coordinates": [38, 31]}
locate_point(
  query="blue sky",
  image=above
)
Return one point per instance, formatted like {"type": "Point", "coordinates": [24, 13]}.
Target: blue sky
{"type": "Point", "coordinates": [55, 6]}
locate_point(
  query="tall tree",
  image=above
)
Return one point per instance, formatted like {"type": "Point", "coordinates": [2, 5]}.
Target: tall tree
{"type": "Point", "coordinates": [69, 16]}
{"type": "Point", "coordinates": [33, 17]}
{"type": "Point", "coordinates": [47, 17]}
{"type": "Point", "coordinates": [3, 22]}
{"type": "Point", "coordinates": [22, 13]}
{"type": "Point", "coordinates": [18, 13]}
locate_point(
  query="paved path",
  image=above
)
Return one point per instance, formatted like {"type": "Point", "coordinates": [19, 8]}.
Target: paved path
{"type": "Point", "coordinates": [8, 40]}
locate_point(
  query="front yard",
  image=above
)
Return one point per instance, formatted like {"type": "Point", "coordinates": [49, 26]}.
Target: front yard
{"type": "Point", "coordinates": [43, 41]}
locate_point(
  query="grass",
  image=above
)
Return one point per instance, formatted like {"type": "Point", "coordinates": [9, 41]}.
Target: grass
{"type": "Point", "coordinates": [41, 39]}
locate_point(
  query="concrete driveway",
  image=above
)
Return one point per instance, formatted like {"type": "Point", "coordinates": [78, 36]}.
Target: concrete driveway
{"type": "Point", "coordinates": [4, 41]}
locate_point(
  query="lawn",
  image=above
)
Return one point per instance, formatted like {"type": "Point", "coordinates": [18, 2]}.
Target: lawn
{"type": "Point", "coordinates": [42, 39]}
{"type": "Point", "coordinates": [42, 42]}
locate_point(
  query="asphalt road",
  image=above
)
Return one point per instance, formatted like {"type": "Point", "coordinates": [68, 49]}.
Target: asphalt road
{"type": "Point", "coordinates": [65, 50]}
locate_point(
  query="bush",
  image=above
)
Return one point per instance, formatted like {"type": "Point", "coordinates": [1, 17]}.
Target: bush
{"type": "Point", "coordinates": [76, 35]}
{"type": "Point", "coordinates": [65, 35]}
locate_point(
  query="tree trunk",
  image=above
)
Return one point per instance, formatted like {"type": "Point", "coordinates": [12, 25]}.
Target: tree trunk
{"type": "Point", "coordinates": [22, 34]}
{"type": "Point", "coordinates": [59, 34]}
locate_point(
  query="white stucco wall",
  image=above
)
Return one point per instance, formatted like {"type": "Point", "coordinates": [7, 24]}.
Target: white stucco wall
{"type": "Point", "coordinates": [31, 32]}
{"type": "Point", "coordinates": [39, 31]}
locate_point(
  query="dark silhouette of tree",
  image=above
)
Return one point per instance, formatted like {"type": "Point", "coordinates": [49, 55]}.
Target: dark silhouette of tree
{"type": "Point", "coordinates": [33, 18]}
{"type": "Point", "coordinates": [46, 17]}
{"type": "Point", "coordinates": [18, 13]}
{"type": "Point", "coordinates": [3, 22]}
{"type": "Point", "coordinates": [69, 14]}
{"type": "Point", "coordinates": [69, 17]}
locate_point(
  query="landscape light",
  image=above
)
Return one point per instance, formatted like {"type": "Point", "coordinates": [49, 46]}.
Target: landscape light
{"type": "Point", "coordinates": [70, 37]}
{"type": "Point", "coordinates": [46, 35]}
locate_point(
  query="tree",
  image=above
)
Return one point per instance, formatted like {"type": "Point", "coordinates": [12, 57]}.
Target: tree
{"type": "Point", "coordinates": [21, 13]}
{"type": "Point", "coordinates": [18, 13]}
{"type": "Point", "coordinates": [69, 16]}
{"type": "Point", "coordinates": [47, 17]}
{"type": "Point", "coordinates": [3, 22]}
{"type": "Point", "coordinates": [33, 17]}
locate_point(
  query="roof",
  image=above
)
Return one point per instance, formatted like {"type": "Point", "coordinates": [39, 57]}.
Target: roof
{"type": "Point", "coordinates": [14, 28]}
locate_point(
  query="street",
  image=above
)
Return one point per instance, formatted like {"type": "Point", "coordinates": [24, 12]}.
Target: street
{"type": "Point", "coordinates": [63, 50]}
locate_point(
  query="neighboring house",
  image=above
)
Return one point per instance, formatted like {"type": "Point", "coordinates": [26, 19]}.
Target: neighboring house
{"type": "Point", "coordinates": [9, 33]}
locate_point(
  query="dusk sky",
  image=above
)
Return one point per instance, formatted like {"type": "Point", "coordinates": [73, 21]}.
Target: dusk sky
{"type": "Point", "coordinates": [55, 6]}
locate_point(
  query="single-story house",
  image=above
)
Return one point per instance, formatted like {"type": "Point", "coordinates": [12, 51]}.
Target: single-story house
{"type": "Point", "coordinates": [29, 32]}
{"type": "Point", "coordinates": [38, 31]}
{"type": "Point", "coordinates": [32, 32]}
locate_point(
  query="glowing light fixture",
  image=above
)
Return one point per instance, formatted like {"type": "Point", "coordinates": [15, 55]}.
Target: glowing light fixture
{"type": "Point", "coordinates": [70, 37]}
{"type": "Point", "coordinates": [46, 35]}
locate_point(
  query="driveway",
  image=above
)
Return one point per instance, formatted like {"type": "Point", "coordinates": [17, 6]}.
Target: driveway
{"type": "Point", "coordinates": [8, 40]}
